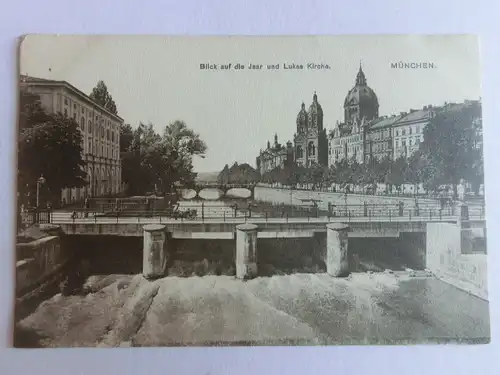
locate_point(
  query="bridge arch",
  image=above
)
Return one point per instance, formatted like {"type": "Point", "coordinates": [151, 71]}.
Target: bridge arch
{"type": "Point", "coordinates": [226, 188]}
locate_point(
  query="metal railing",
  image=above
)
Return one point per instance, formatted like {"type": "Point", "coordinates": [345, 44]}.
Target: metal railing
{"type": "Point", "coordinates": [36, 216]}
{"type": "Point", "coordinates": [206, 212]}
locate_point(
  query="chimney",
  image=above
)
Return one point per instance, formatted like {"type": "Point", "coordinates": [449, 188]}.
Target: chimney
{"type": "Point", "coordinates": [425, 107]}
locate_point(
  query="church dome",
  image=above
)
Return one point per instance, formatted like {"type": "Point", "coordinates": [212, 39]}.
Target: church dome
{"type": "Point", "coordinates": [361, 94]}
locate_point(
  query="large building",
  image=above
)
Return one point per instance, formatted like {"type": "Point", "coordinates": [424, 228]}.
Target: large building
{"type": "Point", "coordinates": [347, 139]}
{"type": "Point", "coordinates": [310, 140]}
{"type": "Point", "coordinates": [273, 156]}
{"type": "Point", "coordinates": [408, 130]}
{"type": "Point", "coordinates": [379, 138]}
{"type": "Point", "coordinates": [364, 135]}
{"type": "Point", "coordinates": [100, 129]}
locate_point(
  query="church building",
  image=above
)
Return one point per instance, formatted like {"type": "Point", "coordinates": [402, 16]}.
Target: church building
{"type": "Point", "coordinates": [310, 141]}
{"type": "Point", "coordinates": [347, 139]}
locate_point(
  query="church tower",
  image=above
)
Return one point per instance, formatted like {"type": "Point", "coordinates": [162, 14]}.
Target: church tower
{"type": "Point", "coordinates": [361, 101]}
{"type": "Point", "coordinates": [311, 145]}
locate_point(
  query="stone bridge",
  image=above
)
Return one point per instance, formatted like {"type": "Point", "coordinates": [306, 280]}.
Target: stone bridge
{"type": "Point", "coordinates": [267, 228]}
{"type": "Point", "coordinates": [223, 188]}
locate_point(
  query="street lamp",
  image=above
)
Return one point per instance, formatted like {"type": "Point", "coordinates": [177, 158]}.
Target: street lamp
{"type": "Point", "coordinates": [39, 182]}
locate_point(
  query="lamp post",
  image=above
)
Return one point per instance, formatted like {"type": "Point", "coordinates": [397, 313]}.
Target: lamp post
{"type": "Point", "coordinates": [39, 182]}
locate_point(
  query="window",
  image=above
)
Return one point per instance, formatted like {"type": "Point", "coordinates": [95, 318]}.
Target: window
{"type": "Point", "coordinates": [65, 101]}
{"type": "Point", "coordinates": [311, 149]}
{"type": "Point", "coordinates": [90, 126]}
{"type": "Point", "coordinates": [65, 112]}
{"type": "Point", "coordinates": [403, 132]}
{"type": "Point", "coordinates": [417, 140]}
{"type": "Point", "coordinates": [112, 136]}
{"type": "Point", "coordinates": [411, 129]}
{"type": "Point", "coordinates": [74, 106]}
{"type": "Point", "coordinates": [90, 147]}
{"type": "Point", "coordinates": [82, 123]}
{"type": "Point", "coordinates": [397, 144]}
{"type": "Point", "coordinates": [418, 129]}
{"type": "Point", "coordinates": [403, 142]}
{"type": "Point", "coordinates": [83, 110]}
{"type": "Point", "coordinates": [74, 115]}
{"type": "Point", "coordinates": [411, 141]}
{"type": "Point", "coordinates": [397, 133]}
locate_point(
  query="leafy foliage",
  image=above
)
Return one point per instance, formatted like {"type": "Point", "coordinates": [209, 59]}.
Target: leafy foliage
{"type": "Point", "coordinates": [239, 174]}
{"type": "Point", "coordinates": [48, 145]}
{"type": "Point", "coordinates": [158, 160]}
{"type": "Point", "coordinates": [101, 96]}
{"type": "Point", "coordinates": [450, 146]}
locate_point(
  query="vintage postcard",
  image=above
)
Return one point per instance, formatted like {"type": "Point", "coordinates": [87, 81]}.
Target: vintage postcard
{"type": "Point", "coordinates": [220, 191]}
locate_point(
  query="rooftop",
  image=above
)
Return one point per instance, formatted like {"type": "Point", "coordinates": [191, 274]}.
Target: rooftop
{"type": "Point", "coordinates": [29, 80]}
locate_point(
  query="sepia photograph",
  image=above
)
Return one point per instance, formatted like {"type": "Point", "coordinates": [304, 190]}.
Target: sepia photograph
{"type": "Point", "coordinates": [250, 191]}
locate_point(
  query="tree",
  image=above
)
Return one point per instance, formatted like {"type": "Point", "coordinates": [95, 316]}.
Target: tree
{"type": "Point", "coordinates": [415, 171]}
{"type": "Point", "coordinates": [101, 96]}
{"type": "Point", "coordinates": [330, 176]}
{"type": "Point", "coordinates": [344, 173]}
{"type": "Point", "coordinates": [397, 173]}
{"type": "Point", "coordinates": [126, 137]}
{"type": "Point", "coordinates": [382, 169]}
{"type": "Point", "coordinates": [48, 145]}
{"type": "Point", "coordinates": [368, 172]}
{"type": "Point", "coordinates": [153, 159]}
{"type": "Point", "coordinates": [223, 177]}
{"type": "Point", "coordinates": [317, 173]}
{"type": "Point", "coordinates": [451, 144]}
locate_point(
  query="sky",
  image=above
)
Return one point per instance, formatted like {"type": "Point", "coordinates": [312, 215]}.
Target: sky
{"type": "Point", "coordinates": [158, 80]}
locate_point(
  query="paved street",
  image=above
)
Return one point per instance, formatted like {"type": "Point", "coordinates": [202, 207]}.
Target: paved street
{"type": "Point", "coordinates": [294, 309]}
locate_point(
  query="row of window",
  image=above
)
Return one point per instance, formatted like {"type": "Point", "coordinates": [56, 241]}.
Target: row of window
{"type": "Point", "coordinates": [103, 151]}
{"type": "Point", "coordinates": [383, 133]}
{"type": "Point", "coordinates": [411, 142]}
{"type": "Point", "coordinates": [110, 135]}
{"type": "Point", "coordinates": [353, 139]}
{"type": "Point", "coordinates": [410, 129]}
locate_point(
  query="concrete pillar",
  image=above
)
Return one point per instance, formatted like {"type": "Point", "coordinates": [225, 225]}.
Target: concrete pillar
{"type": "Point", "coordinates": [246, 251]}
{"type": "Point", "coordinates": [155, 256]}
{"type": "Point", "coordinates": [464, 212]}
{"type": "Point", "coordinates": [337, 261]}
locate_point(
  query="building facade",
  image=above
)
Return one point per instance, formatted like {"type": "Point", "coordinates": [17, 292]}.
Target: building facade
{"type": "Point", "coordinates": [310, 140]}
{"type": "Point", "coordinates": [379, 138]}
{"type": "Point", "coordinates": [100, 135]}
{"type": "Point", "coordinates": [273, 156]}
{"type": "Point", "coordinates": [347, 139]}
{"type": "Point", "coordinates": [408, 130]}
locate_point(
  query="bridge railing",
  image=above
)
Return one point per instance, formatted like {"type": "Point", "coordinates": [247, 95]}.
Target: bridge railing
{"type": "Point", "coordinates": [204, 212]}
{"type": "Point", "coordinates": [36, 216]}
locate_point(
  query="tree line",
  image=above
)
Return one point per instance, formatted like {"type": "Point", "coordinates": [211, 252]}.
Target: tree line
{"type": "Point", "coordinates": [157, 162]}
{"type": "Point", "coordinates": [450, 153]}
